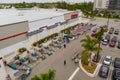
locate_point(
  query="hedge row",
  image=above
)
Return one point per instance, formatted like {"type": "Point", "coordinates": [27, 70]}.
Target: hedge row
{"type": "Point", "coordinates": [67, 30]}
{"type": "Point", "coordinates": [45, 39]}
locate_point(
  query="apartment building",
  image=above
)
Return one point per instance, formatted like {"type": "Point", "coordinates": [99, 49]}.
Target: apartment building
{"type": "Point", "coordinates": [114, 5]}
{"type": "Point", "coordinates": [107, 4]}
{"type": "Point", "coordinates": [101, 4]}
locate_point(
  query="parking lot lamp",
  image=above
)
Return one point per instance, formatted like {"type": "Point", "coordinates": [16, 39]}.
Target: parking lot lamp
{"type": "Point", "coordinates": [108, 20]}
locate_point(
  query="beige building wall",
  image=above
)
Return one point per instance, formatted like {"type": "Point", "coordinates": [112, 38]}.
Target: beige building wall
{"type": "Point", "coordinates": [67, 16]}
{"type": "Point", "coordinates": [9, 30]}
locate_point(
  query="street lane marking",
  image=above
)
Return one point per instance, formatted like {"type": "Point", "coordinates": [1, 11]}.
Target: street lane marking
{"type": "Point", "coordinates": [74, 73]}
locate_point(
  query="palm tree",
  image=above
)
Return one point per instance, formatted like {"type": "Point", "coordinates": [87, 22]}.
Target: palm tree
{"type": "Point", "coordinates": [90, 45]}
{"type": "Point", "coordinates": [50, 75]}
{"type": "Point", "coordinates": [99, 37]}
{"type": "Point", "coordinates": [35, 78]}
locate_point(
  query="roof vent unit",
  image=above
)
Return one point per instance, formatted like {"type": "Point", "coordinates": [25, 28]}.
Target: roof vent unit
{"type": "Point", "coordinates": [20, 14]}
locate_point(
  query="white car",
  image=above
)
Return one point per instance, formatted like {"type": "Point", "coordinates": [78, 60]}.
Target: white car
{"type": "Point", "coordinates": [107, 60]}
{"type": "Point", "coordinates": [105, 42]}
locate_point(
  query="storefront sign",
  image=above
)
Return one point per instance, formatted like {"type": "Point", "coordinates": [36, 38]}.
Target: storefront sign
{"type": "Point", "coordinates": [74, 16]}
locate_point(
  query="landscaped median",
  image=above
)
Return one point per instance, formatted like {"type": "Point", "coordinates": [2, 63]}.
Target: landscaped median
{"type": "Point", "coordinates": [91, 71]}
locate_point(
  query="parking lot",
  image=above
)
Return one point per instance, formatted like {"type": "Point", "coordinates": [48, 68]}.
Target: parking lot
{"type": "Point", "coordinates": [106, 49]}
{"type": "Point", "coordinates": [65, 72]}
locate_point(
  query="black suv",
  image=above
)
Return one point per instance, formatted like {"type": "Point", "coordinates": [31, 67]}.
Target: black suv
{"type": "Point", "coordinates": [118, 46]}
{"type": "Point", "coordinates": [116, 74]}
{"type": "Point", "coordinates": [116, 31]}
{"type": "Point", "coordinates": [117, 63]}
{"type": "Point", "coordinates": [104, 70]}
{"type": "Point", "coordinates": [114, 39]}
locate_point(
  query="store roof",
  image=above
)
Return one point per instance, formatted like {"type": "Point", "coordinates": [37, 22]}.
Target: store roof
{"type": "Point", "coordinates": [9, 16]}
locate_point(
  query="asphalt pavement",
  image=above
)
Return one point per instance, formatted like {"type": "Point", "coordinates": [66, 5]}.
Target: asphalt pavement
{"type": "Point", "coordinates": [56, 61]}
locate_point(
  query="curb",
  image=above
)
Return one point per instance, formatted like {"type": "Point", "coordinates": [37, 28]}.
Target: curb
{"type": "Point", "coordinates": [90, 74]}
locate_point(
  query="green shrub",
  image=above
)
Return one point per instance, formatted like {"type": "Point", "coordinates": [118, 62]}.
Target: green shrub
{"type": "Point", "coordinates": [91, 68]}
{"type": "Point", "coordinates": [21, 50]}
{"type": "Point", "coordinates": [40, 41]}
{"type": "Point", "coordinates": [67, 30]}
{"type": "Point", "coordinates": [35, 43]}
{"type": "Point", "coordinates": [56, 34]}
{"type": "Point", "coordinates": [85, 60]}
{"type": "Point", "coordinates": [69, 36]}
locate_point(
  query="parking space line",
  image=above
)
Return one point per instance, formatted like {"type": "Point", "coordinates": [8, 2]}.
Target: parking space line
{"type": "Point", "coordinates": [110, 72]}
{"type": "Point", "coordinates": [74, 73]}
{"type": "Point", "coordinates": [101, 60]}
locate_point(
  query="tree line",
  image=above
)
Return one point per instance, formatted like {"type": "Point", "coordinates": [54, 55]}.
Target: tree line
{"type": "Point", "coordinates": [86, 8]}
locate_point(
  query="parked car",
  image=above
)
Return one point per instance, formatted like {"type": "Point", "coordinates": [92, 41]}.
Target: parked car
{"type": "Point", "coordinates": [96, 58]}
{"type": "Point", "coordinates": [89, 28]}
{"type": "Point", "coordinates": [119, 40]}
{"type": "Point", "coordinates": [113, 41]}
{"type": "Point", "coordinates": [104, 70]}
{"type": "Point", "coordinates": [117, 63]}
{"type": "Point", "coordinates": [116, 74]}
{"type": "Point", "coordinates": [118, 46]}
{"type": "Point", "coordinates": [94, 30]}
{"type": "Point", "coordinates": [107, 37]}
{"type": "Point", "coordinates": [116, 31]}
{"type": "Point", "coordinates": [111, 30]}
{"type": "Point", "coordinates": [93, 34]}
{"type": "Point", "coordinates": [106, 40]}
{"type": "Point", "coordinates": [107, 60]}
{"type": "Point", "coordinates": [112, 44]}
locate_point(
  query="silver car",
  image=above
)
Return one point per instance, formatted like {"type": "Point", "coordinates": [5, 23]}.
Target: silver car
{"type": "Point", "coordinates": [107, 60]}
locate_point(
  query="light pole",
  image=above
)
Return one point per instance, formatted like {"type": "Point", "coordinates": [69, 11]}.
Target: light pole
{"type": "Point", "coordinates": [108, 20]}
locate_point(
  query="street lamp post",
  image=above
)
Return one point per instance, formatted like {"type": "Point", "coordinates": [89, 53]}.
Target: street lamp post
{"type": "Point", "coordinates": [108, 20]}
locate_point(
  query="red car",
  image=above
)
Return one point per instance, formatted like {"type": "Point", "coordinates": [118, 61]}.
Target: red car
{"type": "Point", "coordinates": [96, 58]}
{"type": "Point", "coordinates": [93, 34]}
{"type": "Point", "coordinates": [112, 44]}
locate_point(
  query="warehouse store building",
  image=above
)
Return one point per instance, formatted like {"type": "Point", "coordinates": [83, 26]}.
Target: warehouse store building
{"type": "Point", "coordinates": [21, 28]}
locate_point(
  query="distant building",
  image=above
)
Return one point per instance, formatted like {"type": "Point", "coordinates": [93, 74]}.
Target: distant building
{"type": "Point", "coordinates": [107, 4]}
{"type": "Point", "coordinates": [101, 4]}
{"type": "Point", "coordinates": [114, 5]}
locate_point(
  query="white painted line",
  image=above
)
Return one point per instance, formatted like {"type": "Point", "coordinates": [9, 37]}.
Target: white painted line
{"type": "Point", "coordinates": [74, 73]}
{"type": "Point", "coordinates": [110, 72]}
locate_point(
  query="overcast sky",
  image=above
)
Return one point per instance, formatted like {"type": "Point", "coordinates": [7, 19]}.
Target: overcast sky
{"type": "Point", "coordinates": [18, 1]}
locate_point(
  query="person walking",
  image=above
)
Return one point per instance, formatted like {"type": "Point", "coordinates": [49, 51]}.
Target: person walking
{"type": "Point", "coordinates": [64, 45]}
{"type": "Point", "coordinates": [64, 62]}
